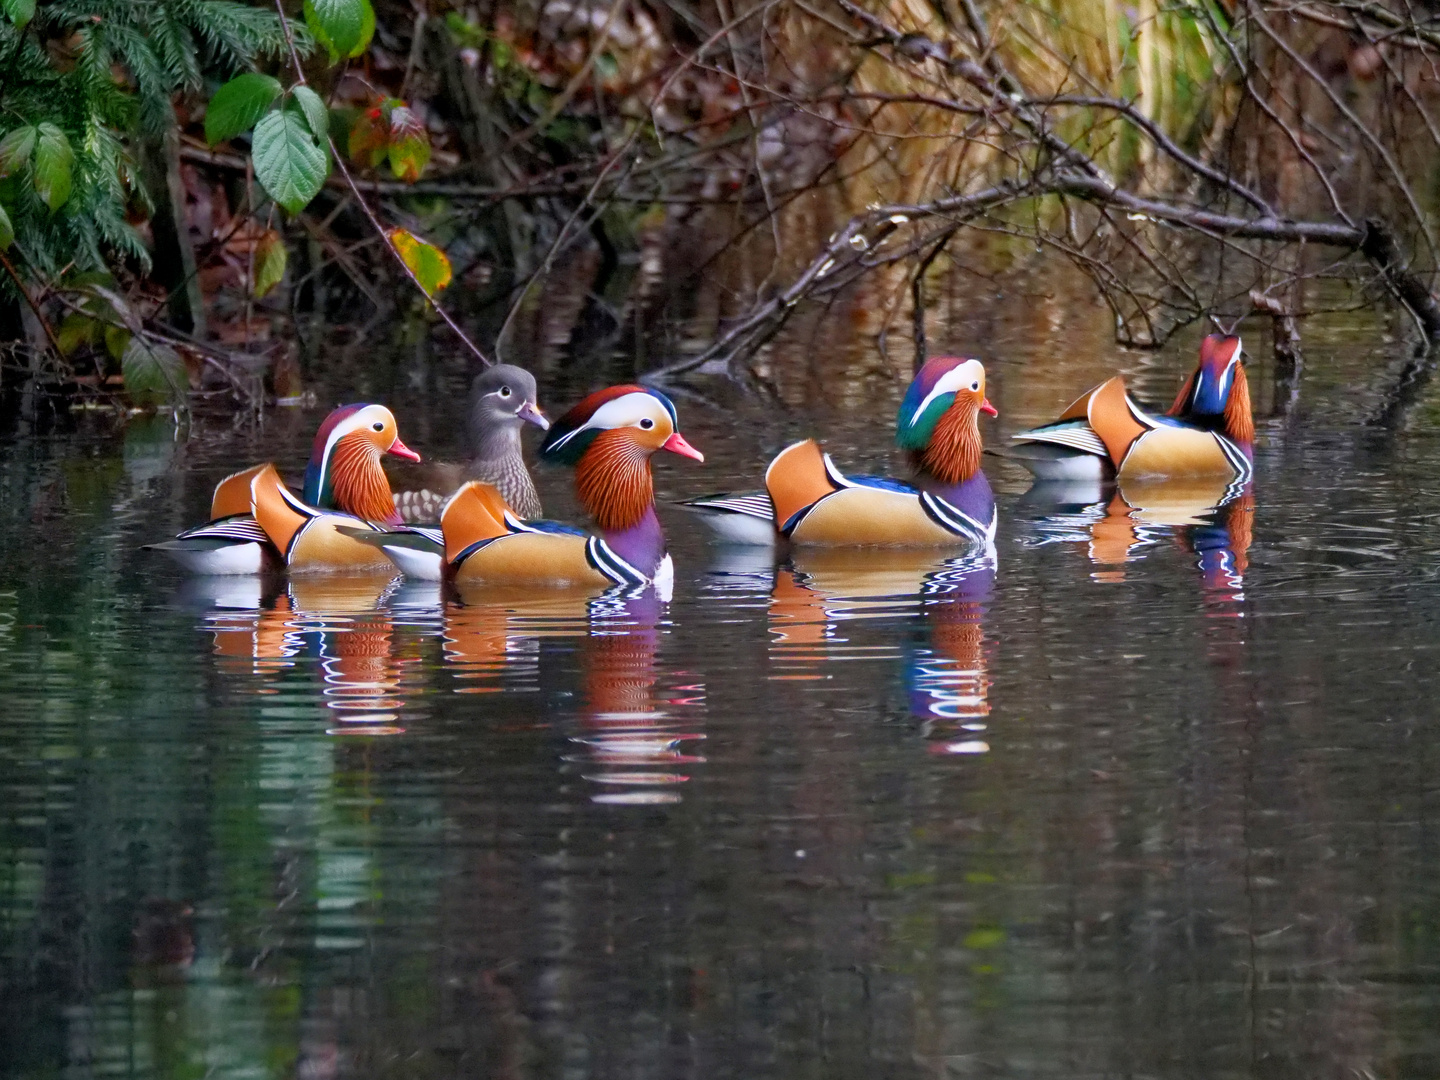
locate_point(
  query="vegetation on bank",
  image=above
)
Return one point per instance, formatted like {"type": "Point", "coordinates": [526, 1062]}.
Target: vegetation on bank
{"type": "Point", "coordinates": [187, 185]}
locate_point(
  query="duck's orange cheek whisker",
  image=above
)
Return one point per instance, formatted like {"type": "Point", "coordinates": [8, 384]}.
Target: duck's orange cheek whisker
{"type": "Point", "coordinates": [399, 449]}
{"type": "Point", "coordinates": [676, 444]}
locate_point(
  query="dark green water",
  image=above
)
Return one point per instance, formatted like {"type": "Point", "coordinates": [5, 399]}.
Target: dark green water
{"type": "Point", "coordinates": [840, 818]}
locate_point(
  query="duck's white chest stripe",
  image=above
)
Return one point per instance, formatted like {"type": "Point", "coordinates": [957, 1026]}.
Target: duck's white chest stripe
{"type": "Point", "coordinates": [1238, 461]}
{"type": "Point", "coordinates": [957, 521]}
{"type": "Point", "coordinates": [600, 556]}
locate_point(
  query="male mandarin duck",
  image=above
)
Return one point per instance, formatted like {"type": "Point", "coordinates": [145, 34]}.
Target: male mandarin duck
{"type": "Point", "coordinates": [502, 401]}
{"type": "Point", "coordinates": [609, 437]}
{"type": "Point", "coordinates": [1208, 431]}
{"type": "Point", "coordinates": [257, 524]}
{"type": "Point", "coordinates": [809, 501]}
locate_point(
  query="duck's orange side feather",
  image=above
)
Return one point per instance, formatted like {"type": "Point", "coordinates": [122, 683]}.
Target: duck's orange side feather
{"type": "Point", "coordinates": [272, 509]}
{"type": "Point", "coordinates": [1110, 417]}
{"type": "Point", "coordinates": [232, 495]}
{"type": "Point", "coordinates": [797, 479]}
{"type": "Point", "coordinates": [476, 512]}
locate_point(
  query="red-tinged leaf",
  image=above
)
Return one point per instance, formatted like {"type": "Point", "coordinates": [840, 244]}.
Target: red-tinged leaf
{"type": "Point", "coordinates": [409, 144]}
{"type": "Point", "coordinates": [369, 138]}
{"type": "Point", "coordinates": [427, 262]}
{"type": "Point", "coordinates": [270, 261]}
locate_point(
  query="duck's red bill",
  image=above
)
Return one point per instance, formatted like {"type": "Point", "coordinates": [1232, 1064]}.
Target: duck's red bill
{"type": "Point", "coordinates": [986, 407]}
{"type": "Point", "coordinates": [676, 444]}
{"type": "Point", "coordinates": [399, 449]}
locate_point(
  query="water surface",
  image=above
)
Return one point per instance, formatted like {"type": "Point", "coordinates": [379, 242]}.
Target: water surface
{"type": "Point", "coordinates": [1133, 799]}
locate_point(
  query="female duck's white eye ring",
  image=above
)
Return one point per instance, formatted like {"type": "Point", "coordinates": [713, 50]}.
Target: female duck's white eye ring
{"type": "Point", "coordinates": [646, 424]}
{"type": "Point", "coordinates": [504, 391]}
{"type": "Point", "coordinates": [378, 426]}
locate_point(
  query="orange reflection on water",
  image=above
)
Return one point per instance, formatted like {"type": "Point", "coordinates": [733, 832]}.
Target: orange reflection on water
{"type": "Point", "coordinates": [633, 748]}
{"type": "Point", "coordinates": [817, 608]}
{"type": "Point", "coordinates": [338, 620]}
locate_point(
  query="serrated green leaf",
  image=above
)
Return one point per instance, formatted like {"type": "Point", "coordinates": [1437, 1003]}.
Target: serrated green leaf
{"type": "Point", "coordinates": [426, 261]}
{"type": "Point", "coordinates": [20, 11]}
{"type": "Point", "coordinates": [316, 115]}
{"type": "Point", "coordinates": [339, 25]}
{"type": "Point", "coordinates": [238, 104]}
{"type": "Point", "coordinates": [289, 163]}
{"type": "Point", "coordinates": [270, 261]}
{"type": "Point", "coordinates": [53, 158]}
{"type": "Point", "coordinates": [154, 373]}
{"type": "Point", "coordinates": [7, 231]}
{"type": "Point", "coordinates": [16, 148]}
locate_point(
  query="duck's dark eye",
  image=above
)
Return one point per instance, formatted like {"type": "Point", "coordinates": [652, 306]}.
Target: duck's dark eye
{"type": "Point", "coordinates": [647, 424]}
{"type": "Point", "coordinates": [504, 391]}
{"type": "Point", "coordinates": [378, 426]}
{"type": "Point", "coordinates": [975, 386]}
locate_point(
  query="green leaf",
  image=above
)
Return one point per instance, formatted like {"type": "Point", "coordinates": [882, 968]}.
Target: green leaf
{"type": "Point", "coordinates": [7, 231]}
{"type": "Point", "coordinates": [367, 28]}
{"type": "Point", "coordinates": [340, 25]}
{"type": "Point", "coordinates": [76, 330]}
{"type": "Point", "coordinates": [270, 260]}
{"type": "Point", "coordinates": [117, 340]}
{"type": "Point", "coordinates": [238, 104]}
{"type": "Point", "coordinates": [53, 158]}
{"type": "Point", "coordinates": [153, 373]}
{"type": "Point", "coordinates": [15, 149]}
{"type": "Point", "coordinates": [316, 115]}
{"type": "Point", "coordinates": [289, 163]}
{"type": "Point", "coordinates": [426, 261]}
{"type": "Point", "coordinates": [20, 11]}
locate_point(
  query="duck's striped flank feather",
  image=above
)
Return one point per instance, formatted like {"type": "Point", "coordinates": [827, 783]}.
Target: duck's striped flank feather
{"type": "Point", "coordinates": [1075, 434]}
{"type": "Point", "coordinates": [241, 528]}
{"type": "Point", "coordinates": [750, 503]}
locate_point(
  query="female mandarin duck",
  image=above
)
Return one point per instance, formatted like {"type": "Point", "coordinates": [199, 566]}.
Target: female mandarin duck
{"type": "Point", "coordinates": [1208, 431]}
{"type": "Point", "coordinates": [809, 500]}
{"type": "Point", "coordinates": [256, 523]}
{"type": "Point", "coordinates": [502, 401]}
{"type": "Point", "coordinates": [609, 438]}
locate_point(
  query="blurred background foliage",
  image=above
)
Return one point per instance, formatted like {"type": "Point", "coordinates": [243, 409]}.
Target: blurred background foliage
{"type": "Point", "coordinates": [663, 161]}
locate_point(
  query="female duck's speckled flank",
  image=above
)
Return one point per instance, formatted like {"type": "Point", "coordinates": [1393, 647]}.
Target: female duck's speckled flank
{"type": "Point", "coordinates": [257, 524]}
{"type": "Point", "coordinates": [809, 501]}
{"type": "Point", "coordinates": [609, 438]}
{"type": "Point", "coordinates": [502, 401]}
{"type": "Point", "coordinates": [1208, 431]}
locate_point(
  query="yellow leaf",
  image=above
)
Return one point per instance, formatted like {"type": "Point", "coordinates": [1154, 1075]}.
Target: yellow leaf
{"type": "Point", "coordinates": [270, 261]}
{"type": "Point", "coordinates": [426, 261]}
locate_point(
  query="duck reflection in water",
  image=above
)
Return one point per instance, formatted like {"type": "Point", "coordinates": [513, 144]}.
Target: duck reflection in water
{"type": "Point", "coordinates": [1210, 518]}
{"type": "Point", "coordinates": [630, 742]}
{"type": "Point", "coordinates": [339, 621]}
{"type": "Point", "coordinates": [815, 605]}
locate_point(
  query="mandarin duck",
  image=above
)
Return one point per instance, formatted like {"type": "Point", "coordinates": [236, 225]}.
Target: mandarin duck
{"type": "Point", "coordinates": [256, 523]}
{"type": "Point", "coordinates": [609, 437]}
{"type": "Point", "coordinates": [1104, 434]}
{"type": "Point", "coordinates": [502, 401]}
{"type": "Point", "coordinates": [809, 501]}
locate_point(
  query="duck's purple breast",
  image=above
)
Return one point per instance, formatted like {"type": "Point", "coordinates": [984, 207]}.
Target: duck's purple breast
{"type": "Point", "coordinates": [642, 545]}
{"type": "Point", "coordinates": [972, 497]}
